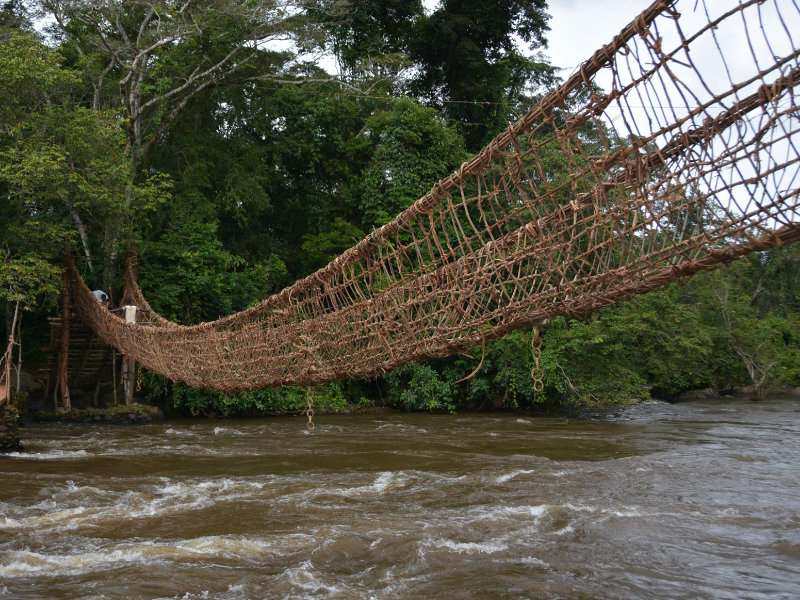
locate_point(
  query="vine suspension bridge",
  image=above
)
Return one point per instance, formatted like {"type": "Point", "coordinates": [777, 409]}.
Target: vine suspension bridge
{"type": "Point", "coordinates": [680, 140]}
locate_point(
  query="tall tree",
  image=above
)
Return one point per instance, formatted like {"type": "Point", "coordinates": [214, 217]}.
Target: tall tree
{"type": "Point", "coordinates": [14, 17]}
{"type": "Point", "coordinates": [369, 38]}
{"type": "Point", "coordinates": [151, 57]}
{"type": "Point", "coordinates": [471, 65]}
{"type": "Point", "coordinates": [412, 148]}
{"type": "Point", "coordinates": [60, 163]}
{"type": "Point", "coordinates": [767, 343]}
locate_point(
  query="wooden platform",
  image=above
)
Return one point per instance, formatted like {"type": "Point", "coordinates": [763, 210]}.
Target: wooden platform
{"type": "Point", "coordinates": [92, 366]}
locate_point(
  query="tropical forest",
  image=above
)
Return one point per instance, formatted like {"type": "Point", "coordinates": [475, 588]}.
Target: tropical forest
{"type": "Point", "coordinates": [238, 147]}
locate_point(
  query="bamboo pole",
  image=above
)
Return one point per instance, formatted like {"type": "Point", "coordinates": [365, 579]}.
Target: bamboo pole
{"type": "Point", "coordinates": [63, 362]}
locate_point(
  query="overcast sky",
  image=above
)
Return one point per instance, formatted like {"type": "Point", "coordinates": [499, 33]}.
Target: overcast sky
{"type": "Point", "coordinates": [740, 51]}
{"type": "Point", "coordinates": [579, 27]}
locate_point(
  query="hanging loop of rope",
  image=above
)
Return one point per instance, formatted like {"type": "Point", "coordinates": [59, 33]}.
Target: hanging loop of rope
{"type": "Point", "coordinates": [537, 373]}
{"type": "Point", "coordinates": [309, 411]}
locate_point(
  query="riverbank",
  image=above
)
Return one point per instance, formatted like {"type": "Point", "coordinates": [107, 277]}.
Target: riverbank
{"type": "Point", "coordinates": [134, 413]}
{"type": "Point", "coordinates": [9, 429]}
{"type": "Point", "coordinates": [145, 413]}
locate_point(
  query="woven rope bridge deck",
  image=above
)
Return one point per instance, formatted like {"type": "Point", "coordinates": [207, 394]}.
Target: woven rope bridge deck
{"type": "Point", "coordinates": [677, 151]}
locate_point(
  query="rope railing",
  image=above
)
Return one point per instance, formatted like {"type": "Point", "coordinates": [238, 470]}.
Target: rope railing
{"type": "Point", "coordinates": [687, 161]}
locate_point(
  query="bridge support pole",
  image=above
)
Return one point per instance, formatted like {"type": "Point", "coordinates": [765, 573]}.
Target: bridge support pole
{"type": "Point", "coordinates": [63, 359]}
{"type": "Point", "coordinates": [128, 378]}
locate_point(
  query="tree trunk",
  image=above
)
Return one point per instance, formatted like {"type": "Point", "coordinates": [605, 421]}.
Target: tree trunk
{"type": "Point", "coordinates": [759, 373]}
{"type": "Point", "coordinates": [82, 231]}
{"type": "Point", "coordinates": [128, 378]}
{"type": "Point", "coordinates": [8, 358]}
{"type": "Point", "coordinates": [18, 341]}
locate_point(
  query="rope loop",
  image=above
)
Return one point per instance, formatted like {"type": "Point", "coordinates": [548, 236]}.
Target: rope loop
{"type": "Point", "coordinates": [537, 373]}
{"type": "Point", "coordinates": [309, 411]}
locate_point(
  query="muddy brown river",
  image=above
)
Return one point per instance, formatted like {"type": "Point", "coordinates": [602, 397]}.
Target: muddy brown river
{"type": "Point", "coordinates": [693, 500]}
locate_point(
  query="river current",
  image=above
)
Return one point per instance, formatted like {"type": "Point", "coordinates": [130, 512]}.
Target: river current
{"type": "Point", "coordinates": [693, 500]}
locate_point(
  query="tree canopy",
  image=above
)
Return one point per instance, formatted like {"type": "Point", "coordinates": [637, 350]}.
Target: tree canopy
{"type": "Point", "coordinates": [242, 145]}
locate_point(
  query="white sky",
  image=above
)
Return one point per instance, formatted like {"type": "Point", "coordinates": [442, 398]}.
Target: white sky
{"type": "Point", "coordinates": [579, 27]}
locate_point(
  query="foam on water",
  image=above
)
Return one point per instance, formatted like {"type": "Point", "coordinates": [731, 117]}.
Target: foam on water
{"type": "Point", "coordinates": [227, 430]}
{"type": "Point", "coordinates": [534, 561]}
{"type": "Point", "coordinates": [384, 482]}
{"type": "Point", "coordinates": [234, 592]}
{"type": "Point", "coordinates": [401, 427]}
{"type": "Point", "coordinates": [513, 474]}
{"type": "Point", "coordinates": [179, 432]}
{"type": "Point", "coordinates": [620, 511]}
{"type": "Point", "coordinates": [306, 579]}
{"type": "Point", "coordinates": [50, 455]}
{"type": "Point", "coordinates": [73, 506]}
{"type": "Point", "coordinates": [176, 440]}
{"type": "Point", "coordinates": [128, 450]}
{"type": "Point", "coordinates": [467, 547]}
{"type": "Point", "coordinates": [519, 522]}
{"type": "Point", "coordinates": [27, 563]}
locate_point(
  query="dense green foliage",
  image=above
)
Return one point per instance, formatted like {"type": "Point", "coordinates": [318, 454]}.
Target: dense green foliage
{"type": "Point", "coordinates": [236, 168]}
